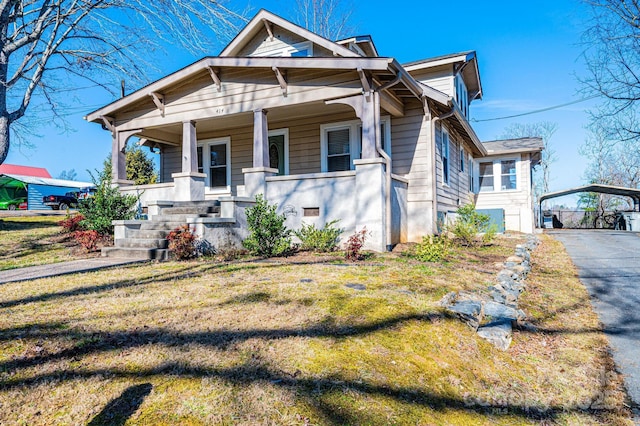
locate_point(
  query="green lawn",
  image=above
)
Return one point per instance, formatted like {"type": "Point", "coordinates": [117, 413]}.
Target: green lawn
{"type": "Point", "coordinates": [291, 342]}
{"type": "Point", "coordinates": [28, 241]}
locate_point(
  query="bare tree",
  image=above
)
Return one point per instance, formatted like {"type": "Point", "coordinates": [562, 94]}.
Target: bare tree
{"type": "Point", "coordinates": [327, 18]}
{"type": "Point", "coordinates": [612, 55]}
{"type": "Point", "coordinates": [544, 130]}
{"type": "Point", "coordinates": [46, 45]}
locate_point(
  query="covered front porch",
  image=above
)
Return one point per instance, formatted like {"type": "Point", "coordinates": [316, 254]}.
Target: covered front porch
{"type": "Point", "coordinates": [297, 156]}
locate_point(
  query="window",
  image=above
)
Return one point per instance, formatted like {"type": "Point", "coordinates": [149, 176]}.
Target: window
{"type": "Point", "coordinates": [508, 172]}
{"type": "Point", "coordinates": [470, 171]}
{"type": "Point", "coordinates": [304, 49]}
{"type": "Point", "coordinates": [503, 169]}
{"type": "Point", "coordinates": [486, 176]}
{"type": "Point", "coordinates": [462, 159]}
{"type": "Point", "coordinates": [462, 96]}
{"type": "Point", "coordinates": [214, 159]}
{"type": "Point", "coordinates": [445, 157]}
{"type": "Point", "coordinates": [339, 149]}
{"type": "Point", "coordinates": [341, 143]}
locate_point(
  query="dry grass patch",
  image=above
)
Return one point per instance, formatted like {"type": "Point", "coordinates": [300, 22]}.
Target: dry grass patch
{"type": "Point", "coordinates": [303, 340]}
{"type": "Point", "coordinates": [33, 240]}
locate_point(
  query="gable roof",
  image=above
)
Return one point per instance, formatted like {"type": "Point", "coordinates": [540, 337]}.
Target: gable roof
{"type": "Point", "coordinates": [466, 63]}
{"type": "Point", "coordinates": [258, 23]}
{"type": "Point", "coordinates": [363, 42]}
{"type": "Point", "coordinates": [24, 170]}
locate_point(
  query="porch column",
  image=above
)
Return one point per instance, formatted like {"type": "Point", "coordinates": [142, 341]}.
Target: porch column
{"type": "Point", "coordinates": [255, 178]}
{"type": "Point", "coordinates": [119, 158]}
{"type": "Point", "coordinates": [189, 147]}
{"type": "Point", "coordinates": [260, 139]}
{"type": "Point", "coordinates": [370, 124]}
{"type": "Point", "coordinates": [189, 184]}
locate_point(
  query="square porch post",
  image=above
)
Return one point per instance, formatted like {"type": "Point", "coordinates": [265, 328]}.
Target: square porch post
{"type": "Point", "coordinates": [189, 184]}
{"type": "Point", "coordinates": [255, 178]}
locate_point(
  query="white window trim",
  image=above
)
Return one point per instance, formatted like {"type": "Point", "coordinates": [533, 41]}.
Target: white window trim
{"type": "Point", "coordinates": [285, 132]}
{"type": "Point", "coordinates": [471, 172]}
{"type": "Point", "coordinates": [286, 51]}
{"type": "Point", "coordinates": [497, 174]}
{"type": "Point", "coordinates": [443, 132]}
{"type": "Point", "coordinates": [354, 139]}
{"type": "Point", "coordinates": [355, 144]}
{"type": "Point", "coordinates": [205, 144]}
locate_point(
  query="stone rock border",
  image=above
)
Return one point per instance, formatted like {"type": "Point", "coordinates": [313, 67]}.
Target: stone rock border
{"type": "Point", "coordinates": [492, 315]}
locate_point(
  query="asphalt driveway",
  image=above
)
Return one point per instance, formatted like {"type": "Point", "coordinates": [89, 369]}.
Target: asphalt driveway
{"type": "Point", "coordinates": [609, 266]}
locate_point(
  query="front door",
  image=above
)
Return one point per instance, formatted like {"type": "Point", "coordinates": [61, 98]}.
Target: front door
{"type": "Point", "coordinates": [276, 153]}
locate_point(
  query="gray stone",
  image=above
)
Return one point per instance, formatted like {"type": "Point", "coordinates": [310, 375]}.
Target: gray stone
{"type": "Point", "coordinates": [498, 332]}
{"type": "Point", "coordinates": [356, 286]}
{"type": "Point", "coordinates": [515, 259]}
{"type": "Point", "coordinates": [498, 310]}
{"type": "Point", "coordinates": [469, 311]}
{"type": "Point", "coordinates": [306, 280]}
{"type": "Point", "coordinates": [448, 299]}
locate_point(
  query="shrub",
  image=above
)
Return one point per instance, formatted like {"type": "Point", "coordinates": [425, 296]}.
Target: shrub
{"type": "Point", "coordinates": [432, 248]}
{"type": "Point", "coordinates": [320, 240]}
{"type": "Point", "coordinates": [268, 236]}
{"type": "Point", "coordinates": [71, 223]}
{"type": "Point", "coordinates": [354, 245]}
{"type": "Point", "coordinates": [107, 205]}
{"type": "Point", "coordinates": [469, 223]}
{"type": "Point", "coordinates": [87, 239]}
{"type": "Point", "coordinates": [182, 242]}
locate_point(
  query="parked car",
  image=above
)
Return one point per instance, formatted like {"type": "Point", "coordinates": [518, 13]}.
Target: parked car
{"type": "Point", "coordinates": [70, 199]}
{"type": "Point", "coordinates": [19, 203]}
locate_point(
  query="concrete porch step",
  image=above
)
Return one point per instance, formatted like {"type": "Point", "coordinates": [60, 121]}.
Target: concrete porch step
{"type": "Point", "coordinates": [152, 243]}
{"type": "Point", "coordinates": [148, 233]}
{"type": "Point", "coordinates": [190, 210]}
{"type": "Point", "coordinates": [155, 225]}
{"type": "Point", "coordinates": [182, 218]}
{"type": "Point", "coordinates": [136, 253]}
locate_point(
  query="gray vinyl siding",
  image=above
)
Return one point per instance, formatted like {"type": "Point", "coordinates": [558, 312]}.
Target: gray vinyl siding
{"type": "Point", "coordinates": [440, 78]}
{"type": "Point", "coordinates": [170, 162]}
{"type": "Point", "coordinates": [262, 43]}
{"type": "Point", "coordinates": [411, 152]}
{"type": "Point", "coordinates": [456, 193]}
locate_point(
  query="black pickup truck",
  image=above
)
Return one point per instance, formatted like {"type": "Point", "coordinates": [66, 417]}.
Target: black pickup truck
{"type": "Point", "coordinates": [70, 199]}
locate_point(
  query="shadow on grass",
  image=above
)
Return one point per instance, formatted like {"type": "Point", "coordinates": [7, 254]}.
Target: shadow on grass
{"type": "Point", "coordinates": [118, 411]}
{"type": "Point", "coordinates": [319, 391]}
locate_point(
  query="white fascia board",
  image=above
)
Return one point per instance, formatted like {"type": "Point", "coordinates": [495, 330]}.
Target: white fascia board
{"type": "Point", "coordinates": [339, 63]}
{"type": "Point", "coordinates": [444, 61]}
{"type": "Point", "coordinates": [257, 23]}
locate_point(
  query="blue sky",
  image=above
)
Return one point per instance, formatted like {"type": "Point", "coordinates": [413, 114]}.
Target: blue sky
{"type": "Point", "coordinates": [528, 52]}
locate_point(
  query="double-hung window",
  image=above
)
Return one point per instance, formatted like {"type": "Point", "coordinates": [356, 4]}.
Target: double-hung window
{"type": "Point", "coordinates": [498, 175]}
{"type": "Point", "coordinates": [339, 149]}
{"type": "Point", "coordinates": [214, 160]}
{"type": "Point", "coordinates": [341, 143]}
{"type": "Point", "coordinates": [445, 156]}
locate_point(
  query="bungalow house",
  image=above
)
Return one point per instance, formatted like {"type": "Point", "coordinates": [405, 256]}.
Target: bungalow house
{"type": "Point", "coordinates": [325, 129]}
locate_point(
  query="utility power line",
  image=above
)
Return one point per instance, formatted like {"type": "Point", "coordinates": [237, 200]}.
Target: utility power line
{"type": "Point", "coordinates": [577, 101]}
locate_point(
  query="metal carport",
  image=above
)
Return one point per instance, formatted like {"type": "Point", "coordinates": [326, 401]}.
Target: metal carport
{"type": "Point", "coordinates": [633, 193]}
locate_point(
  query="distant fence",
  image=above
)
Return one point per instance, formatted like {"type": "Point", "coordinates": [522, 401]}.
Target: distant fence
{"type": "Point", "coordinates": [580, 219]}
